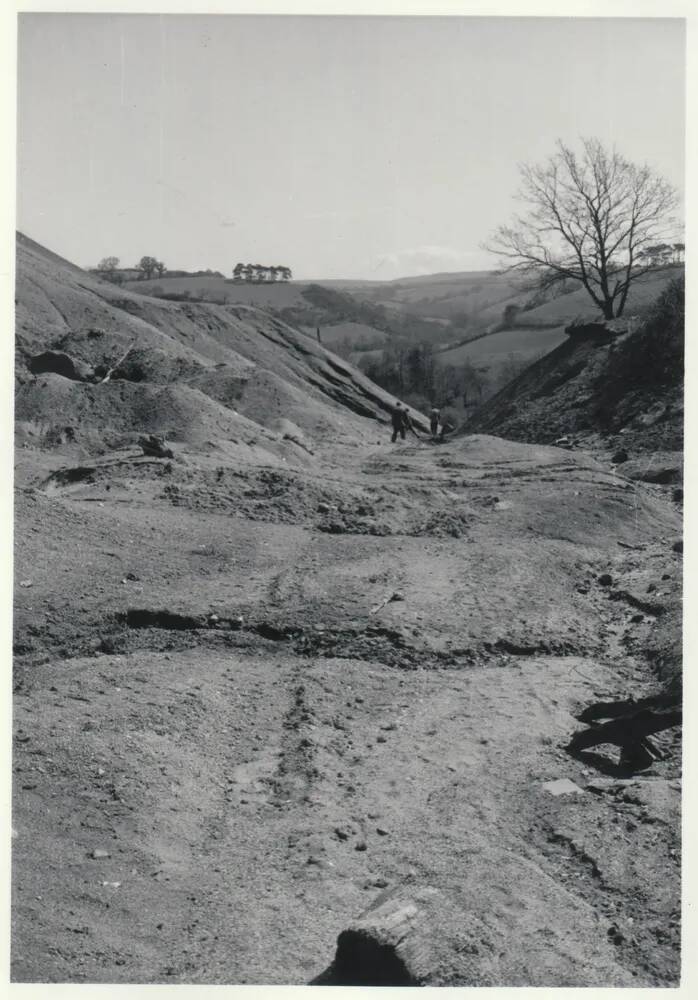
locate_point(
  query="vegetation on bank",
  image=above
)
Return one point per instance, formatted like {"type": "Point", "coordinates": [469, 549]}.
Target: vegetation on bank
{"type": "Point", "coordinates": [650, 361]}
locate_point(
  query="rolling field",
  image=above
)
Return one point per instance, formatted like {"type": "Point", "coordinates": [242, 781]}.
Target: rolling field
{"type": "Point", "coordinates": [442, 296]}
{"type": "Point", "coordinates": [280, 295]}
{"type": "Point", "coordinates": [524, 344]}
{"type": "Point", "coordinates": [483, 295]}
{"type": "Point", "coordinates": [578, 303]}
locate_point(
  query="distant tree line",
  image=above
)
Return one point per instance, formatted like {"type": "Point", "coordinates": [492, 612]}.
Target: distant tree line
{"type": "Point", "coordinates": [261, 273]}
{"type": "Point", "coordinates": [146, 268]}
{"type": "Point", "coordinates": [149, 266]}
{"type": "Point", "coordinates": [662, 254]}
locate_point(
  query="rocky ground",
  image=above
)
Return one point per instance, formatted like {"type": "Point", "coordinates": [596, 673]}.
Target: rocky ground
{"type": "Point", "coordinates": [252, 695]}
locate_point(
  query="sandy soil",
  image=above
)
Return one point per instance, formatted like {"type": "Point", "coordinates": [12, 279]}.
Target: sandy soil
{"type": "Point", "coordinates": [226, 743]}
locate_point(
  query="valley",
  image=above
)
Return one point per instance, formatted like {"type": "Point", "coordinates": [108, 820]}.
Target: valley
{"type": "Point", "coordinates": [292, 668]}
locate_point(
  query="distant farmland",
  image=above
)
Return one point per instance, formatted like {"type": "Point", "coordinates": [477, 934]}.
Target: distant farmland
{"type": "Point", "coordinates": [265, 295]}
{"type": "Point", "coordinates": [524, 344]}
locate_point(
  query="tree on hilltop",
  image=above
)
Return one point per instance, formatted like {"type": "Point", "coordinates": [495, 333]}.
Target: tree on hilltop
{"type": "Point", "coordinates": [108, 264]}
{"type": "Point", "coordinates": [147, 265]}
{"type": "Point", "coordinates": [260, 272]}
{"type": "Point", "coordinates": [590, 217]}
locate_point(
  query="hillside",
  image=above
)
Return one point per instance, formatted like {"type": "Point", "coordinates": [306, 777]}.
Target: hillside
{"type": "Point", "coordinates": [626, 386]}
{"type": "Point", "coordinates": [477, 365]}
{"type": "Point", "coordinates": [466, 298]}
{"type": "Point", "coordinates": [524, 344]}
{"type": "Point", "coordinates": [564, 308]}
{"type": "Point", "coordinates": [219, 362]}
{"type": "Point", "coordinates": [303, 304]}
{"type": "Point", "coordinates": [265, 295]}
{"type": "Point", "coordinates": [477, 299]}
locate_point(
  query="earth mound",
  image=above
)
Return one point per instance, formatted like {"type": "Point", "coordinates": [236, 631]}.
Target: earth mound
{"type": "Point", "coordinates": [272, 401]}
{"type": "Point", "coordinates": [119, 410]}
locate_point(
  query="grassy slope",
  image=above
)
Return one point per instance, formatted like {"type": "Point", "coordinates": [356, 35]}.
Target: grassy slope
{"type": "Point", "coordinates": [280, 295]}
{"type": "Point", "coordinates": [484, 294]}
{"type": "Point", "coordinates": [304, 305]}
{"type": "Point", "coordinates": [524, 343]}
{"type": "Point", "coordinates": [577, 303]}
{"type": "Point", "coordinates": [442, 296]}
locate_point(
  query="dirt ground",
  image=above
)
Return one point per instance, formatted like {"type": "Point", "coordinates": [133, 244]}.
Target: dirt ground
{"type": "Point", "coordinates": [229, 739]}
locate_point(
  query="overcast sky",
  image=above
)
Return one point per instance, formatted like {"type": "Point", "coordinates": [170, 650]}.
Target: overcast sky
{"type": "Point", "coordinates": [341, 147]}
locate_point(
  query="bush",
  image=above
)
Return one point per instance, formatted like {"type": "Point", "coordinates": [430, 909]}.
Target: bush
{"type": "Point", "coordinates": [653, 355]}
{"type": "Point", "coordinates": [647, 364]}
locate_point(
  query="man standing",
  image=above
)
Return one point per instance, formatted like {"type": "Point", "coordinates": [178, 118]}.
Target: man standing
{"type": "Point", "coordinates": [407, 422]}
{"type": "Point", "coordinates": [434, 421]}
{"type": "Point", "coordinates": [397, 418]}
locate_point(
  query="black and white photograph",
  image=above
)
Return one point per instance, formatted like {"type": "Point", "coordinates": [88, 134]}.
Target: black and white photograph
{"type": "Point", "coordinates": [348, 500]}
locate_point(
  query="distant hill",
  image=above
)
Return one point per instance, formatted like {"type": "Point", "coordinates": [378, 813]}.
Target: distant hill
{"type": "Point", "coordinates": [564, 308]}
{"type": "Point", "coordinates": [306, 305]}
{"type": "Point", "coordinates": [211, 288]}
{"type": "Point", "coordinates": [447, 310]}
{"type": "Point", "coordinates": [446, 297]}
{"type": "Point", "coordinates": [523, 344]}
{"type": "Point", "coordinates": [475, 300]}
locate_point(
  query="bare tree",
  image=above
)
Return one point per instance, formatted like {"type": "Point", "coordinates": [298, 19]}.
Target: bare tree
{"type": "Point", "coordinates": [108, 264]}
{"type": "Point", "coordinates": [147, 266]}
{"type": "Point", "coordinates": [589, 217]}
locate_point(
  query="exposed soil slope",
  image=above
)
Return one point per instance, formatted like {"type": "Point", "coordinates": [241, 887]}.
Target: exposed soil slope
{"type": "Point", "coordinates": [216, 347]}
{"type": "Point", "coordinates": [627, 388]}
